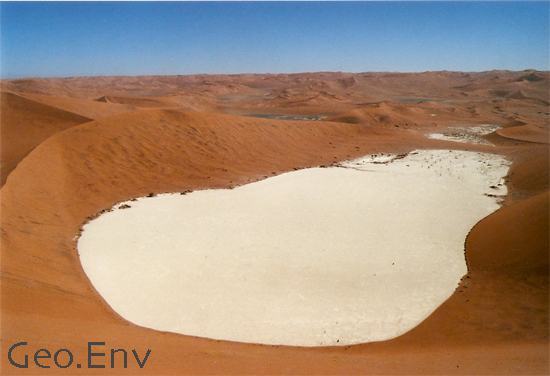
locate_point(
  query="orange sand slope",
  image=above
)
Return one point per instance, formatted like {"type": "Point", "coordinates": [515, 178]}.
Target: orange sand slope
{"type": "Point", "coordinates": [90, 109]}
{"type": "Point", "coordinates": [61, 168]}
{"type": "Point", "coordinates": [25, 124]}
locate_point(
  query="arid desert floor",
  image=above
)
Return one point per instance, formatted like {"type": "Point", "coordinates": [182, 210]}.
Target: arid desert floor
{"type": "Point", "coordinates": [74, 147]}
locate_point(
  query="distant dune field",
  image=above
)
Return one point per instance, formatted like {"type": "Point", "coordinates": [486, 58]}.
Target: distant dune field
{"type": "Point", "coordinates": [71, 148]}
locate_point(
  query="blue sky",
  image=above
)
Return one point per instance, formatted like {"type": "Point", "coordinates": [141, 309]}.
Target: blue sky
{"type": "Point", "coordinates": [63, 39]}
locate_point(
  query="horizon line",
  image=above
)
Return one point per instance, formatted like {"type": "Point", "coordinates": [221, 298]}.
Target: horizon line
{"type": "Point", "coordinates": [272, 74]}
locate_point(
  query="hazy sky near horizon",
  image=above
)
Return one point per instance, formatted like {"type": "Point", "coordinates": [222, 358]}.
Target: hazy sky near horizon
{"type": "Point", "coordinates": [64, 39]}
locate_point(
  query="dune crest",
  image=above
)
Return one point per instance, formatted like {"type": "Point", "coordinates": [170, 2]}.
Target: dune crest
{"type": "Point", "coordinates": [25, 124]}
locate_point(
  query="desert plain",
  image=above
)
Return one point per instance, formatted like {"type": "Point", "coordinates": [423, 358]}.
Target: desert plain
{"type": "Point", "coordinates": [74, 147]}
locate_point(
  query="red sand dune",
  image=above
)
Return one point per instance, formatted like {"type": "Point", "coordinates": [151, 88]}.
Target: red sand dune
{"type": "Point", "coordinates": [25, 124]}
{"type": "Point", "coordinates": [530, 177]}
{"type": "Point", "coordinates": [138, 101]}
{"type": "Point", "coordinates": [391, 114]}
{"type": "Point", "coordinates": [495, 323]}
{"type": "Point", "coordinates": [84, 107]}
{"type": "Point", "coordinates": [532, 77]}
{"type": "Point", "coordinates": [526, 133]}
